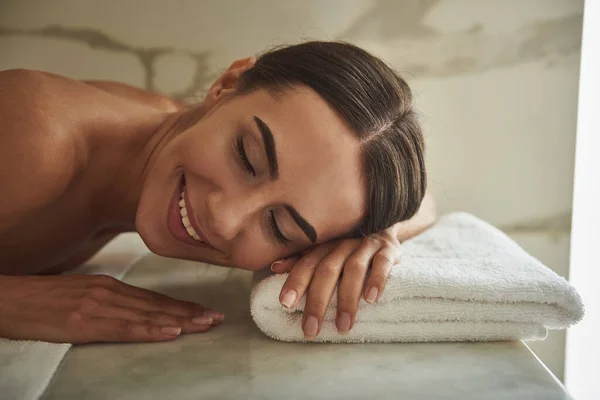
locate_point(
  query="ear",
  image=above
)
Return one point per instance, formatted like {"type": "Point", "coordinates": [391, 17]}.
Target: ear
{"type": "Point", "coordinates": [227, 82]}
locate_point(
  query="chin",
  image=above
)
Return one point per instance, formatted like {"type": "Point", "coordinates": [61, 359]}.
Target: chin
{"type": "Point", "coordinates": [148, 231]}
{"type": "Point", "coordinates": [150, 224]}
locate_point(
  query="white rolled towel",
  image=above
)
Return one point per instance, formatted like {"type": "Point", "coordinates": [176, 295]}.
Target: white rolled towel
{"type": "Point", "coordinates": [461, 280]}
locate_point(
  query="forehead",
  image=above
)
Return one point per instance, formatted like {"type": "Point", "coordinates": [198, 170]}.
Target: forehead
{"type": "Point", "coordinates": [319, 158]}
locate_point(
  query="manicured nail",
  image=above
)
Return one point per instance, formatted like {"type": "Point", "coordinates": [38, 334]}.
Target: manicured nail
{"type": "Point", "coordinates": [372, 295]}
{"type": "Point", "coordinates": [169, 330]}
{"type": "Point", "coordinates": [217, 316]}
{"type": "Point", "coordinates": [289, 298]}
{"type": "Point", "coordinates": [202, 320]}
{"type": "Point", "coordinates": [344, 322]}
{"type": "Point", "coordinates": [277, 264]}
{"type": "Point", "coordinates": [310, 327]}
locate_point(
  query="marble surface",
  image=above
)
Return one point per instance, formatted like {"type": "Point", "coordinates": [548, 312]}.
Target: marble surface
{"type": "Point", "coordinates": [236, 361]}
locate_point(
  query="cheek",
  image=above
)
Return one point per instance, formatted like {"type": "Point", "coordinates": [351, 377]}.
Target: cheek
{"type": "Point", "coordinates": [254, 254]}
{"type": "Point", "coordinates": [205, 154]}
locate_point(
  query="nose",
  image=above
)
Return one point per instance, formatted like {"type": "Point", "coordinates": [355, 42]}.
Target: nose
{"type": "Point", "coordinates": [227, 213]}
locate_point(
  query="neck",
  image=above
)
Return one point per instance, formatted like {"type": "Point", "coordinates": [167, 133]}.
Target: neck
{"type": "Point", "coordinates": [123, 179]}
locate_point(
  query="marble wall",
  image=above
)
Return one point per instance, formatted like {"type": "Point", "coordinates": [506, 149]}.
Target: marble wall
{"type": "Point", "coordinates": [495, 83]}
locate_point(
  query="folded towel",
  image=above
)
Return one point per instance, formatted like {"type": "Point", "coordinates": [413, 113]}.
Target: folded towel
{"type": "Point", "coordinates": [27, 366]}
{"type": "Point", "coordinates": [461, 280]}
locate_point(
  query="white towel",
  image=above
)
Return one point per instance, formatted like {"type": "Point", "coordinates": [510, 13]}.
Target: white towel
{"type": "Point", "coordinates": [461, 280]}
{"type": "Point", "coordinates": [27, 366]}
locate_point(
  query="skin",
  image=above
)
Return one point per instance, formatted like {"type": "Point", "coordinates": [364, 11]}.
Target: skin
{"type": "Point", "coordinates": [84, 161]}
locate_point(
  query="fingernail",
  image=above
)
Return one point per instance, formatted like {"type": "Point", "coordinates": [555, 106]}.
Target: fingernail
{"type": "Point", "coordinates": [372, 295]}
{"type": "Point", "coordinates": [217, 316]}
{"type": "Point", "coordinates": [310, 327]}
{"type": "Point", "coordinates": [202, 320]}
{"type": "Point", "coordinates": [169, 330]}
{"type": "Point", "coordinates": [275, 264]}
{"type": "Point", "coordinates": [344, 322]}
{"type": "Point", "coordinates": [289, 298]}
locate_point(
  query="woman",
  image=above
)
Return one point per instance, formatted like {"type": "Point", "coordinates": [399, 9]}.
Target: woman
{"type": "Point", "coordinates": [312, 152]}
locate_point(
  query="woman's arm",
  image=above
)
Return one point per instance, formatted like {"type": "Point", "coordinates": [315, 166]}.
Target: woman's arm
{"type": "Point", "coordinates": [422, 220]}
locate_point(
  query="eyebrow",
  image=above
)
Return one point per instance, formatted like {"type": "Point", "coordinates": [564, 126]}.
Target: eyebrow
{"type": "Point", "coordinates": [269, 143]}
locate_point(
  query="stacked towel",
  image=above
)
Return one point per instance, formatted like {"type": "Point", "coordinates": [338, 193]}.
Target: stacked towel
{"type": "Point", "coordinates": [461, 280]}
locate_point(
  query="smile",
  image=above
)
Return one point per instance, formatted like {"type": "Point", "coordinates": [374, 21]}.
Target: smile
{"type": "Point", "coordinates": [185, 219]}
{"type": "Point", "coordinates": [181, 222]}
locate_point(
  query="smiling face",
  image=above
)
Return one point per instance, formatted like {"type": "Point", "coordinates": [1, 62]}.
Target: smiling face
{"type": "Point", "coordinates": [262, 178]}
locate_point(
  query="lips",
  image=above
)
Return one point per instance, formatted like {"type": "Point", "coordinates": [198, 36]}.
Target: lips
{"type": "Point", "coordinates": [181, 221]}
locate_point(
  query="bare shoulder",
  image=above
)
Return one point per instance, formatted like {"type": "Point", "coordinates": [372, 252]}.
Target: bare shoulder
{"type": "Point", "coordinates": [153, 99]}
{"type": "Point", "coordinates": [45, 120]}
{"type": "Point", "coordinates": [38, 155]}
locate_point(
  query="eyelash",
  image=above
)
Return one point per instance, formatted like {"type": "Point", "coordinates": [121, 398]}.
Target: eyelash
{"type": "Point", "coordinates": [243, 158]}
{"type": "Point", "coordinates": [278, 235]}
{"type": "Point", "coordinates": [245, 163]}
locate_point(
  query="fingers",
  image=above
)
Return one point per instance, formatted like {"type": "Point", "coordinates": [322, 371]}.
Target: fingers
{"type": "Point", "coordinates": [382, 264]}
{"type": "Point", "coordinates": [284, 265]}
{"type": "Point", "coordinates": [142, 305]}
{"type": "Point", "coordinates": [321, 288]}
{"type": "Point", "coordinates": [192, 324]}
{"type": "Point", "coordinates": [144, 299]}
{"type": "Point", "coordinates": [301, 275]}
{"type": "Point", "coordinates": [121, 330]}
{"type": "Point", "coordinates": [352, 283]}
{"type": "Point", "coordinates": [318, 271]}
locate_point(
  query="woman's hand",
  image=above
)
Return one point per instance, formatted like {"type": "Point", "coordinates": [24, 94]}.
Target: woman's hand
{"type": "Point", "coordinates": [94, 308]}
{"type": "Point", "coordinates": [318, 270]}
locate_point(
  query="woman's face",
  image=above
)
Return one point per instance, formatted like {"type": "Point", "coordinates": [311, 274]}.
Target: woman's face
{"type": "Point", "coordinates": [262, 178]}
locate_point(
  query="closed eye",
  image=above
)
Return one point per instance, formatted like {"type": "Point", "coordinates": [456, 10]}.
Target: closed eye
{"type": "Point", "coordinates": [242, 156]}
{"type": "Point", "coordinates": [278, 235]}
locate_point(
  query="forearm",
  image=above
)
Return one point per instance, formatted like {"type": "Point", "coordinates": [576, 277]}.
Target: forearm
{"type": "Point", "coordinates": [422, 220]}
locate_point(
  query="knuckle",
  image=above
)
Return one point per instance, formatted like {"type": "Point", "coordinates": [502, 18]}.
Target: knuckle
{"type": "Point", "coordinates": [371, 240]}
{"type": "Point", "coordinates": [383, 258]}
{"type": "Point", "coordinates": [378, 276]}
{"type": "Point", "coordinates": [124, 328]}
{"type": "Point", "coordinates": [355, 265]}
{"type": "Point", "coordinates": [153, 331]}
{"type": "Point", "coordinates": [156, 302]}
{"type": "Point", "coordinates": [180, 321]}
{"type": "Point", "coordinates": [76, 321]}
{"type": "Point", "coordinates": [347, 300]}
{"type": "Point", "coordinates": [308, 262]}
{"type": "Point", "coordinates": [105, 280]}
{"type": "Point", "coordinates": [329, 266]}
{"type": "Point", "coordinates": [147, 315]}
{"type": "Point", "coordinates": [162, 319]}
{"type": "Point", "coordinates": [100, 292]}
{"type": "Point", "coordinates": [87, 305]}
{"type": "Point", "coordinates": [317, 303]}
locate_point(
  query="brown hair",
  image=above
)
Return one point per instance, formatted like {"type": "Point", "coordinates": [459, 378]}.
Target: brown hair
{"type": "Point", "coordinates": [377, 105]}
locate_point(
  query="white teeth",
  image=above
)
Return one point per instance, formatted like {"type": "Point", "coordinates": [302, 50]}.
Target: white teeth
{"type": "Point", "coordinates": [190, 230]}
{"type": "Point", "coordinates": [186, 220]}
